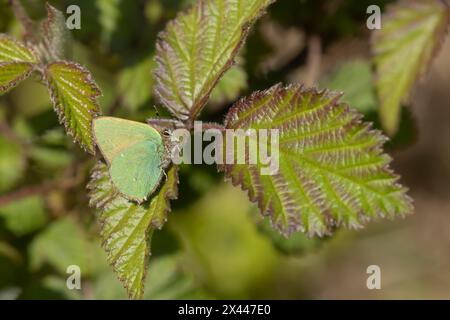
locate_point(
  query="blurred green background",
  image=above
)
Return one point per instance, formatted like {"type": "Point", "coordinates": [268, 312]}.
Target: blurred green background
{"type": "Point", "coordinates": [215, 245]}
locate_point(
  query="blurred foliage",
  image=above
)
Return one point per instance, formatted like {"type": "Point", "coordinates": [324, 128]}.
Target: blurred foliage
{"type": "Point", "coordinates": [354, 80]}
{"type": "Point", "coordinates": [211, 247]}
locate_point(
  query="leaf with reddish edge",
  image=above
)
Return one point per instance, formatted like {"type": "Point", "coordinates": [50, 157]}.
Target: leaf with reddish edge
{"type": "Point", "coordinates": [74, 95]}
{"type": "Point", "coordinates": [16, 63]}
{"type": "Point", "coordinates": [411, 35]}
{"type": "Point", "coordinates": [332, 169]}
{"type": "Point", "coordinates": [197, 48]}
{"type": "Point", "coordinates": [126, 227]}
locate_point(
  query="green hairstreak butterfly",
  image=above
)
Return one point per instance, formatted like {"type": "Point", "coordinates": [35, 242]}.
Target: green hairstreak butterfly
{"type": "Point", "coordinates": [135, 154]}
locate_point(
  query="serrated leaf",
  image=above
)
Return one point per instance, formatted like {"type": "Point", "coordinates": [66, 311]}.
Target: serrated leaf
{"type": "Point", "coordinates": [16, 63]}
{"type": "Point", "coordinates": [197, 48]}
{"type": "Point", "coordinates": [55, 34]}
{"type": "Point", "coordinates": [411, 35]}
{"type": "Point", "coordinates": [126, 227]}
{"type": "Point", "coordinates": [14, 51]}
{"type": "Point", "coordinates": [74, 95]}
{"type": "Point", "coordinates": [332, 170]}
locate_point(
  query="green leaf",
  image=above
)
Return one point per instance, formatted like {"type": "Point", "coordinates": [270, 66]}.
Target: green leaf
{"type": "Point", "coordinates": [74, 96]}
{"type": "Point", "coordinates": [354, 79]}
{"type": "Point", "coordinates": [16, 63]}
{"type": "Point", "coordinates": [25, 215]}
{"type": "Point", "coordinates": [61, 244]}
{"type": "Point", "coordinates": [14, 51]}
{"type": "Point", "coordinates": [197, 48]}
{"type": "Point", "coordinates": [411, 35]}
{"type": "Point", "coordinates": [55, 34]}
{"type": "Point", "coordinates": [136, 82]}
{"type": "Point", "coordinates": [230, 86]}
{"type": "Point", "coordinates": [12, 163]}
{"type": "Point", "coordinates": [126, 227]}
{"type": "Point", "coordinates": [332, 170]}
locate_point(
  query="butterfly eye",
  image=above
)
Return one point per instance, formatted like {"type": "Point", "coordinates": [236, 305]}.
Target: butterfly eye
{"type": "Point", "coordinates": [166, 133]}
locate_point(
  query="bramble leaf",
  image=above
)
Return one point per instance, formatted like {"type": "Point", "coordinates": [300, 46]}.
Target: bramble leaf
{"type": "Point", "coordinates": [16, 63]}
{"type": "Point", "coordinates": [55, 34]}
{"type": "Point", "coordinates": [332, 170]}
{"type": "Point", "coordinates": [14, 51]}
{"type": "Point", "coordinates": [410, 37]}
{"type": "Point", "coordinates": [74, 96]}
{"type": "Point", "coordinates": [126, 227]}
{"type": "Point", "coordinates": [197, 48]}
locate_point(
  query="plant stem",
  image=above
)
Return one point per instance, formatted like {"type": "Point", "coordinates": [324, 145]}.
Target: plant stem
{"type": "Point", "coordinates": [213, 125]}
{"type": "Point", "coordinates": [176, 124]}
{"type": "Point", "coordinates": [24, 19]}
{"type": "Point", "coordinates": [166, 123]}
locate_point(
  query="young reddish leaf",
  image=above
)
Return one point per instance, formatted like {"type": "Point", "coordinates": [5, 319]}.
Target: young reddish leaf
{"type": "Point", "coordinates": [126, 227]}
{"type": "Point", "coordinates": [332, 170]}
{"type": "Point", "coordinates": [197, 48]}
{"type": "Point", "coordinates": [16, 63]}
{"type": "Point", "coordinates": [411, 35]}
{"type": "Point", "coordinates": [55, 34]}
{"type": "Point", "coordinates": [74, 96]}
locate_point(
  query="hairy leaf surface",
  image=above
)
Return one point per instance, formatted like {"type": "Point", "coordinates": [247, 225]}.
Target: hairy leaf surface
{"type": "Point", "coordinates": [411, 35]}
{"type": "Point", "coordinates": [197, 48]}
{"type": "Point", "coordinates": [74, 96]}
{"type": "Point", "coordinates": [55, 34]}
{"type": "Point", "coordinates": [126, 227]}
{"type": "Point", "coordinates": [332, 170]}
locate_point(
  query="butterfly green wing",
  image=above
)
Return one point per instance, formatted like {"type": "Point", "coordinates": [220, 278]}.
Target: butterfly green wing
{"type": "Point", "coordinates": [134, 153]}
{"type": "Point", "coordinates": [137, 171]}
{"type": "Point", "coordinates": [113, 135]}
